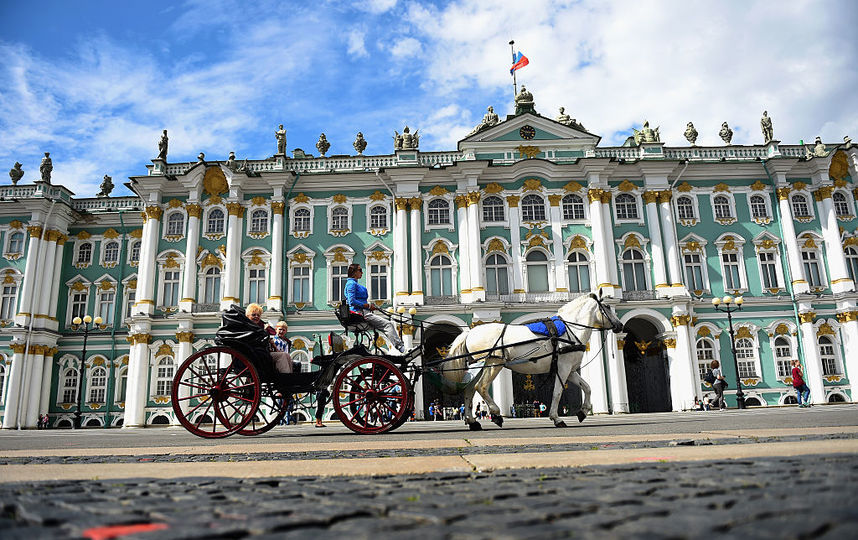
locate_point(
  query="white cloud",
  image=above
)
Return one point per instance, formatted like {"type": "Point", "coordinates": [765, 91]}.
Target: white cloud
{"type": "Point", "coordinates": [356, 45]}
{"type": "Point", "coordinates": [377, 6]}
{"type": "Point", "coordinates": [405, 47]}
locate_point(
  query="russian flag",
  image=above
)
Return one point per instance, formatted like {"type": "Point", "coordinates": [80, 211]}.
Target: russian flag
{"type": "Point", "coordinates": [518, 62]}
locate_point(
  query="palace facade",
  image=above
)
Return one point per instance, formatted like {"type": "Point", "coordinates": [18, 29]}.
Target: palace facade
{"type": "Point", "coordinates": [527, 213]}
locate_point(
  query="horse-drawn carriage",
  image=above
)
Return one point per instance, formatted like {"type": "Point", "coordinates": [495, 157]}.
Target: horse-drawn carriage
{"type": "Point", "coordinates": [233, 387]}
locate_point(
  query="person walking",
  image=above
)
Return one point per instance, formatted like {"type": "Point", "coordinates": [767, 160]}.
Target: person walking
{"type": "Point", "coordinates": [357, 297]}
{"type": "Point", "coordinates": [801, 389]}
{"type": "Point", "coordinates": [719, 385]}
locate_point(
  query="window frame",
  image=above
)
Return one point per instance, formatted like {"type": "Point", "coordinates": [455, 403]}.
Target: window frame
{"type": "Point", "coordinates": [494, 207]}
{"type": "Point", "coordinates": [163, 270]}
{"type": "Point", "coordinates": [11, 278]}
{"type": "Point", "coordinates": [208, 232]}
{"type": "Point", "coordinates": [301, 258]}
{"type": "Point", "coordinates": [585, 265]}
{"type": "Point", "coordinates": [339, 215]}
{"type": "Point", "coordinates": [11, 234]}
{"type": "Point", "coordinates": [807, 202]}
{"type": "Point", "coordinates": [584, 208]}
{"type": "Point", "coordinates": [767, 207]}
{"type": "Point", "coordinates": [173, 232]}
{"type": "Point", "coordinates": [692, 206]}
{"type": "Point", "coordinates": [848, 205]}
{"type": "Point", "coordinates": [524, 205]}
{"type": "Point", "coordinates": [739, 252]}
{"type": "Point", "coordinates": [370, 216]}
{"type": "Point", "coordinates": [89, 243]}
{"type": "Point", "coordinates": [294, 218]}
{"type": "Point", "coordinates": [635, 203]}
{"type": "Point", "coordinates": [495, 268]}
{"type": "Point", "coordinates": [810, 245]}
{"type": "Point", "coordinates": [529, 265]}
{"type": "Point", "coordinates": [259, 227]}
{"type": "Point", "coordinates": [92, 387]}
{"type": "Point", "coordinates": [438, 210]}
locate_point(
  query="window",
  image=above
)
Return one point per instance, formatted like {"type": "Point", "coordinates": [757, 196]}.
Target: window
{"type": "Point", "coordinates": [745, 358]}
{"type": "Point", "coordinates": [2, 377]}
{"type": "Point", "coordinates": [16, 243]}
{"type": "Point", "coordinates": [84, 253]}
{"type": "Point", "coordinates": [497, 274]}
{"type": "Point", "coordinates": [573, 207]}
{"type": "Point", "coordinates": [176, 224]}
{"type": "Point", "coordinates": [78, 304]}
{"type": "Point", "coordinates": [211, 289]}
{"type": "Point", "coordinates": [439, 212]}
{"type": "Point", "coordinates": [378, 217]}
{"type": "Point", "coordinates": [339, 276]}
{"type": "Point", "coordinates": [339, 219]}
{"type": "Point", "coordinates": [378, 281]}
{"type": "Point", "coordinates": [300, 284]}
{"type": "Point", "coordinates": [215, 222]}
{"type": "Point", "coordinates": [111, 253]}
{"type": "Point", "coordinates": [122, 386]}
{"type": "Point", "coordinates": [106, 301]}
{"type": "Point", "coordinates": [258, 290]}
{"type": "Point", "coordinates": [694, 272]}
{"type": "Point", "coordinates": [627, 207]}
{"type": "Point", "coordinates": [759, 210]}
{"type": "Point", "coordinates": [302, 220]}
{"type": "Point", "coordinates": [441, 275]}
{"type": "Point", "coordinates": [799, 206]}
{"type": "Point", "coordinates": [827, 356]}
{"type": "Point", "coordinates": [810, 261]}
{"type": "Point", "coordinates": [579, 272]}
{"type": "Point", "coordinates": [723, 209]}
{"type": "Point", "coordinates": [537, 272]}
{"type": "Point", "coordinates": [705, 354]}
{"type": "Point", "coordinates": [164, 377]}
{"type": "Point", "coordinates": [852, 262]}
{"type": "Point", "coordinates": [732, 271]}
{"type": "Point", "coordinates": [783, 357]}
{"type": "Point", "coordinates": [259, 221]}
{"type": "Point", "coordinates": [69, 388]}
{"type": "Point", "coordinates": [685, 207]}
{"type": "Point", "coordinates": [493, 209]}
{"type": "Point", "coordinates": [170, 289]}
{"type": "Point", "coordinates": [135, 251]}
{"type": "Point", "coordinates": [634, 270]}
{"type": "Point", "coordinates": [841, 205]}
{"type": "Point", "coordinates": [131, 295]}
{"type": "Point", "coordinates": [768, 267]}
{"type": "Point", "coordinates": [98, 385]}
{"type": "Point", "coordinates": [532, 208]}
{"type": "Point", "coordinates": [8, 301]}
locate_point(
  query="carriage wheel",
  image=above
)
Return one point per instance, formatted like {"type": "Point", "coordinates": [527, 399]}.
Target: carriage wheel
{"type": "Point", "coordinates": [216, 392]}
{"type": "Point", "coordinates": [271, 410]}
{"type": "Point", "coordinates": [371, 396]}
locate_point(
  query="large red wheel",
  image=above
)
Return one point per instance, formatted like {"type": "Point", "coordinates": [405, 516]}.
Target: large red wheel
{"type": "Point", "coordinates": [271, 410]}
{"type": "Point", "coordinates": [371, 396]}
{"type": "Point", "coordinates": [216, 392]}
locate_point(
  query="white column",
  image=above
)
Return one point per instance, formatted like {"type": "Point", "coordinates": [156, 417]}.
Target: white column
{"type": "Point", "coordinates": [136, 394]}
{"type": "Point", "coordinates": [838, 271]}
{"type": "Point", "coordinates": [47, 374]}
{"type": "Point", "coordinates": [608, 228]}
{"type": "Point", "coordinates": [13, 386]}
{"type": "Point", "coordinates": [185, 339]}
{"type": "Point", "coordinates": [502, 392]}
{"type": "Point", "coordinates": [189, 284]}
{"type": "Point", "coordinates": [400, 253]}
{"type": "Point", "coordinates": [812, 361]}
{"type": "Point", "coordinates": [408, 338]}
{"type": "Point", "coordinates": [593, 371]}
{"type": "Point", "coordinates": [275, 298]}
{"type": "Point", "coordinates": [658, 269]}
{"type": "Point", "coordinates": [601, 245]}
{"type": "Point", "coordinates": [462, 225]}
{"type": "Point", "coordinates": [799, 283]}
{"type": "Point", "coordinates": [29, 282]}
{"type": "Point", "coordinates": [232, 266]}
{"type": "Point", "coordinates": [34, 387]}
{"type": "Point", "coordinates": [515, 244]}
{"type": "Point", "coordinates": [47, 262]}
{"type": "Point", "coordinates": [145, 298]}
{"type": "Point", "coordinates": [849, 332]}
{"type": "Point", "coordinates": [416, 250]}
{"type": "Point", "coordinates": [478, 280]}
{"type": "Point", "coordinates": [617, 376]}
{"type": "Point", "coordinates": [684, 377]}
{"type": "Point", "coordinates": [55, 283]}
{"type": "Point", "coordinates": [671, 243]}
{"type": "Point", "coordinates": [561, 277]}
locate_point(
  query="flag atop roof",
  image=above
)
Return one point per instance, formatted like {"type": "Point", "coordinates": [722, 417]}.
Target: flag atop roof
{"type": "Point", "coordinates": [518, 62]}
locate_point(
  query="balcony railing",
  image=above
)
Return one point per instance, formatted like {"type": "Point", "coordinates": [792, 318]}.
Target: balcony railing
{"type": "Point", "coordinates": [441, 300]}
{"type": "Point", "coordinates": [638, 295]}
{"type": "Point", "coordinates": [205, 308]}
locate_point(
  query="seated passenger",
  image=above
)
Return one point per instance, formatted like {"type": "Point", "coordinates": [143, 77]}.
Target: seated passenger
{"type": "Point", "coordinates": [282, 349]}
{"type": "Point", "coordinates": [281, 357]}
{"type": "Point", "coordinates": [357, 298]}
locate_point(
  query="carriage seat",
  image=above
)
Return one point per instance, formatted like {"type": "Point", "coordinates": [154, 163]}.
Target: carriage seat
{"type": "Point", "coordinates": [351, 321]}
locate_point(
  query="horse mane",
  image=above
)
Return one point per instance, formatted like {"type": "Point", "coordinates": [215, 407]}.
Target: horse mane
{"type": "Point", "coordinates": [570, 311]}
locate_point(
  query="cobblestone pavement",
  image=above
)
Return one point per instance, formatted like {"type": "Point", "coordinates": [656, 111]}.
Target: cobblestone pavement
{"type": "Point", "coordinates": [796, 497]}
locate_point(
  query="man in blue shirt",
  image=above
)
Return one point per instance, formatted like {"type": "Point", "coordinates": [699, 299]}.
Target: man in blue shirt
{"type": "Point", "coordinates": [357, 297]}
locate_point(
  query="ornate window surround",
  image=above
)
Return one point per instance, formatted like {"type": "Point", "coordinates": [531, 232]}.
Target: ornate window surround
{"type": "Point", "coordinates": [767, 200]}
{"type": "Point", "coordinates": [800, 188]}
{"type": "Point", "coordinates": [342, 255]}
{"type": "Point", "coordinates": [166, 261]}
{"type": "Point", "coordinates": [15, 227]}
{"type": "Point", "coordinates": [634, 240]}
{"type": "Point", "coordinates": [303, 257]}
{"type": "Point", "coordinates": [812, 242]}
{"type": "Point", "coordinates": [506, 210]}
{"type": "Point", "coordinates": [255, 258]}
{"type": "Point", "coordinates": [451, 212]}
{"type": "Point", "coordinates": [768, 243]}
{"type": "Point", "coordinates": [786, 329]}
{"type": "Point", "coordinates": [300, 203]}
{"type": "Point", "coordinates": [378, 253]}
{"type": "Point", "coordinates": [695, 244]}
{"type": "Point", "coordinates": [731, 200]}
{"type": "Point", "coordinates": [849, 201]}
{"type": "Point", "coordinates": [583, 196]}
{"type": "Point", "coordinates": [695, 208]}
{"type": "Point", "coordinates": [382, 202]}
{"type": "Point", "coordinates": [339, 232]}
{"type": "Point", "coordinates": [732, 243]}
{"type": "Point", "coordinates": [204, 222]}
{"type": "Point", "coordinates": [750, 331]}
{"type": "Point", "coordinates": [268, 221]}
{"type": "Point", "coordinates": [440, 246]}
{"type": "Point", "coordinates": [165, 233]}
{"type": "Point", "coordinates": [106, 283]}
{"type": "Point", "coordinates": [129, 284]}
{"type": "Point", "coordinates": [831, 328]}
{"type": "Point", "coordinates": [13, 276]}
{"type": "Point", "coordinates": [628, 188]}
{"type": "Point", "coordinates": [77, 284]}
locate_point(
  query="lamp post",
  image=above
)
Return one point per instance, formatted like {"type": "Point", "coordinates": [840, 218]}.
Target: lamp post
{"type": "Point", "coordinates": [729, 305]}
{"type": "Point", "coordinates": [77, 322]}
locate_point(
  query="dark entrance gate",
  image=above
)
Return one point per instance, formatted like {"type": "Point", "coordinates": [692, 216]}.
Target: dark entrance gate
{"type": "Point", "coordinates": [437, 339]}
{"type": "Point", "coordinates": [647, 375]}
{"type": "Point", "coordinates": [527, 389]}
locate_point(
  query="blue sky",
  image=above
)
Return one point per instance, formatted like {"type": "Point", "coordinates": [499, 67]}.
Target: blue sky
{"type": "Point", "coordinates": [95, 82]}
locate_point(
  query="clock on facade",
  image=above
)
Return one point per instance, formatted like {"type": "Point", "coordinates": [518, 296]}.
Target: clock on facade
{"type": "Point", "coordinates": [527, 132]}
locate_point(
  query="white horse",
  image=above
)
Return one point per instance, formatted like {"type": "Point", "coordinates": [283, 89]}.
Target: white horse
{"type": "Point", "coordinates": [493, 346]}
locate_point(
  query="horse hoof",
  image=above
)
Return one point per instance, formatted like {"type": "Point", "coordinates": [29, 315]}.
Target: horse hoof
{"type": "Point", "coordinates": [560, 424]}
{"type": "Point", "coordinates": [581, 416]}
{"type": "Point", "coordinates": [497, 419]}
{"type": "Point", "coordinates": [475, 426]}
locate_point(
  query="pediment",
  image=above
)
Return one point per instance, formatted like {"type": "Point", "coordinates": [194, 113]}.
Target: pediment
{"type": "Point", "coordinates": [529, 129]}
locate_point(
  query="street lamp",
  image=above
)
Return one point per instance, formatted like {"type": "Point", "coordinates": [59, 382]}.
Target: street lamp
{"type": "Point", "coordinates": [76, 324]}
{"type": "Point", "coordinates": [729, 305]}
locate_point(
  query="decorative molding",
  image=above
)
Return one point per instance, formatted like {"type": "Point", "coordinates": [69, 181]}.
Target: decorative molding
{"type": "Point", "coordinates": [377, 196]}
{"type": "Point", "coordinates": [278, 207]}
{"type": "Point", "coordinates": [235, 209]}
{"type": "Point", "coordinates": [806, 317]}
{"type": "Point", "coordinates": [744, 332]}
{"type": "Point", "coordinates": [572, 187]}
{"type": "Point", "coordinates": [415, 203]}
{"type": "Point", "coordinates": [684, 187]}
{"type": "Point", "coordinates": [137, 339]}
{"type": "Point", "coordinates": [825, 330]}
{"type": "Point", "coordinates": [438, 191]}
{"type": "Point", "coordinates": [532, 184]}
{"type": "Point", "coordinates": [554, 200]}
{"type": "Point", "coordinates": [301, 199]}
{"type": "Point", "coordinates": [339, 198]}
{"type": "Point", "coordinates": [258, 201]}
{"type": "Point", "coordinates": [513, 200]}
{"type": "Point", "coordinates": [680, 320]}
{"type": "Point", "coordinates": [758, 186]}
{"type": "Point", "coordinates": [847, 316]}
{"type": "Point", "coordinates": [626, 186]}
{"type": "Point", "coordinates": [632, 240]}
{"type": "Point", "coordinates": [164, 350]}
{"type": "Point", "coordinates": [401, 203]}
{"type": "Point", "coordinates": [721, 187]}
{"type": "Point", "coordinates": [493, 188]}
{"type": "Point", "coordinates": [650, 197]}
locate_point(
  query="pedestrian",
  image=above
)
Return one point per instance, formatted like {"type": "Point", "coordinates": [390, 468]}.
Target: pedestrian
{"type": "Point", "coordinates": [801, 389]}
{"type": "Point", "coordinates": [719, 385]}
{"type": "Point", "coordinates": [542, 409]}
{"type": "Point", "coordinates": [512, 411]}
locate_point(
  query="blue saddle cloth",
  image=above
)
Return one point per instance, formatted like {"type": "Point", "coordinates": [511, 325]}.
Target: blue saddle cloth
{"type": "Point", "coordinates": [541, 329]}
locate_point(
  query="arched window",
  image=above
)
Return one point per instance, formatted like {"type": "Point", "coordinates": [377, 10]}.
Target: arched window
{"type": "Point", "coordinates": [378, 217]}
{"type": "Point", "coordinates": [852, 262]}
{"type": "Point", "coordinates": [723, 209]}
{"type": "Point", "coordinates": [211, 291]}
{"type": "Point", "coordinates": [745, 358]}
{"type": "Point", "coordinates": [634, 270]}
{"type": "Point", "coordinates": [758, 207]}
{"type": "Point", "coordinates": [84, 253]}
{"type": "Point", "coordinates": [98, 385]}
{"type": "Point", "coordinates": [783, 357]}
{"type": "Point", "coordinates": [439, 212]}
{"type": "Point", "coordinates": [16, 243]}
{"type": "Point", "coordinates": [573, 207]}
{"type": "Point", "coordinates": [537, 272]}
{"type": "Point", "coordinates": [685, 207]}
{"type": "Point", "coordinates": [828, 356]}
{"type": "Point", "coordinates": [497, 274]}
{"type": "Point", "coordinates": [578, 267]}
{"type": "Point", "coordinates": [627, 207]}
{"type": "Point", "coordinates": [164, 377]}
{"type": "Point", "coordinates": [135, 251]}
{"type": "Point", "coordinates": [339, 276]}
{"type": "Point", "coordinates": [111, 252]}
{"type": "Point", "coordinates": [441, 275]}
{"type": "Point", "coordinates": [799, 206]}
{"type": "Point", "coordinates": [69, 389]}
{"type": "Point", "coordinates": [215, 223]}
{"type": "Point", "coordinates": [705, 354]}
{"type": "Point", "coordinates": [122, 386]}
{"type": "Point", "coordinates": [841, 206]}
{"type": "Point", "coordinates": [532, 208]}
{"type": "Point", "coordinates": [339, 219]}
{"type": "Point", "coordinates": [302, 220]}
{"type": "Point", "coordinates": [493, 209]}
{"type": "Point", "coordinates": [259, 221]}
{"type": "Point", "coordinates": [176, 224]}
{"type": "Point", "coordinates": [8, 300]}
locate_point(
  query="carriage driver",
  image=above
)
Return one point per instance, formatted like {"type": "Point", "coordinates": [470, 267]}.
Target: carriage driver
{"type": "Point", "coordinates": [357, 299]}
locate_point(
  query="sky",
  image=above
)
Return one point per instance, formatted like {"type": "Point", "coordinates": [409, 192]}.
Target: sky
{"type": "Point", "coordinates": [95, 82]}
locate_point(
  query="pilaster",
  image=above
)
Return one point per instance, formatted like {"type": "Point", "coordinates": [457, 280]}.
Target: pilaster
{"type": "Point", "coordinates": [232, 265]}
{"type": "Point", "coordinates": [684, 377]}
{"type": "Point", "coordinates": [561, 276]}
{"type": "Point", "coordinates": [617, 374]}
{"type": "Point", "coordinates": [465, 292]}
{"type": "Point", "coordinates": [145, 297]}
{"type": "Point", "coordinates": [799, 282]}
{"type": "Point", "coordinates": [478, 289]}
{"type": "Point", "coordinates": [836, 258]}
{"type": "Point", "coordinates": [138, 375]}
{"type": "Point", "coordinates": [812, 361]}
{"type": "Point", "coordinates": [849, 330]}
{"type": "Point", "coordinates": [601, 244]}
{"type": "Point", "coordinates": [189, 284]}
{"type": "Point", "coordinates": [13, 385]}
{"type": "Point", "coordinates": [275, 298]}
{"type": "Point", "coordinates": [671, 244]}
{"type": "Point", "coordinates": [400, 251]}
{"type": "Point", "coordinates": [657, 251]}
{"type": "Point", "coordinates": [593, 371]}
{"type": "Point", "coordinates": [515, 245]}
{"type": "Point", "coordinates": [416, 297]}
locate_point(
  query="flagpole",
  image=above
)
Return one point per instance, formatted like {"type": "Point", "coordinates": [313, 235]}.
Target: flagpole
{"type": "Point", "coordinates": [514, 85]}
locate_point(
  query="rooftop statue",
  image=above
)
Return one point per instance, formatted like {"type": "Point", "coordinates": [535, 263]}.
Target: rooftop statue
{"type": "Point", "coordinates": [359, 144]}
{"type": "Point", "coordinates": [16, 173]}
{"type": "Point", "coordinates": [819, 148]}
{"type": "Point", "coordinates": [280, 134]}
{"type": "Point", "coordinates": [323, 145]}
{"type": "Point", "coordinates": [564, 118]}
{"type": "Point", "coordinates": [230, 162]}
{"type": "Point", "coordinates": [691, 134]}
{"type": "Point", "coordinates": [407, 140]}
{"type": "Point", "coordinates": [489, 119]}
{"type": "Point", "coordinates": [847, 142]}
{"type": "Point", "coordinates": [726, 133]}
{"type": "Point", "coordinates": [201, 157]}
{"type": "Point", "coordinates": [647, 134]}
{"type": "Point", "coordinates": [46, 167]}
{"type": "Point", "coordinates": [162, 146]}
{"type": "Point", "coordinates": [766, 126]}
{"type": "Point", "coordinates": [106, 187]}
{"type": "Point", "coordinates": [524, 101]}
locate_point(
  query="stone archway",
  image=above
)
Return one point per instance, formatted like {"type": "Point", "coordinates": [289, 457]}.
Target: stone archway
{"type": "Point", "coordinates": [437, 338]}
{"type": "Point", "coordinates": [647, 374]}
